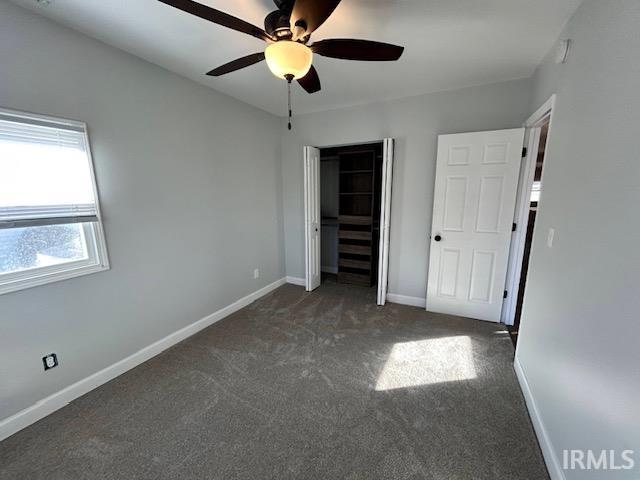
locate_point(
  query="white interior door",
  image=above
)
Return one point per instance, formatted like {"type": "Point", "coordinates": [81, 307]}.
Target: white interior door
{"type": "Point", "coordinates": [474, 201]}
{"type": "Point", "coordinates": [312, 217]}
{"type": "Point", "coordinates": [385, 217]}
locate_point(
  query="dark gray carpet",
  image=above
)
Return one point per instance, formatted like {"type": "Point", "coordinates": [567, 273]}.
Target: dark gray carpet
{"type": "Point", "coordinates": [301, 386]}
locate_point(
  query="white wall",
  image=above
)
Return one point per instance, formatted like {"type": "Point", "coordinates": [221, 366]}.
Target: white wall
{"type": "Point", "coordinates": [415, 123]}
{"type": "Point", "coordinates": [579, 342]}
{"type": "Point", "coordinates": [190, 186]}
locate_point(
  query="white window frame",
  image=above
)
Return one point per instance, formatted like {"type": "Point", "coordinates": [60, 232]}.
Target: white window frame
{"type": "Point", "coordinates": [97, 257]}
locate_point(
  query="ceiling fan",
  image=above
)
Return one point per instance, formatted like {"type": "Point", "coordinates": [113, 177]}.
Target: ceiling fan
{"type": "Point", "coordinates": [288, 31]}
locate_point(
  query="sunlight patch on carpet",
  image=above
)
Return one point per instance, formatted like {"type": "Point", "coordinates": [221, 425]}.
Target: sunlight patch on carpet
{"type": "Point", "coordinates": [425, 362]}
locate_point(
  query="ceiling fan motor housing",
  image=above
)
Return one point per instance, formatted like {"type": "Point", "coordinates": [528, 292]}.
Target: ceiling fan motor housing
{"type": "Point", "coordinates": [277, 25]}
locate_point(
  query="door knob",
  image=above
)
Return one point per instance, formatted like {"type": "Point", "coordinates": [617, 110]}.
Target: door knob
{"type": "Point", "coordinates": [437, 238]}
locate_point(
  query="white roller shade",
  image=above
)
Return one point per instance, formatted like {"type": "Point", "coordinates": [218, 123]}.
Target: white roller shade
{"type": "Point", "coordinates": [46, 174]}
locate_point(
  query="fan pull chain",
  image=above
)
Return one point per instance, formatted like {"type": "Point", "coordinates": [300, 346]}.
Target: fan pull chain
{"type": "Point", "coordinates": [289, 79]}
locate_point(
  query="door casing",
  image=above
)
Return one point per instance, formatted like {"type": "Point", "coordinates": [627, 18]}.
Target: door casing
{"type": "Point", "coordinates": [312, 211]}
{"type": "Point", "coordinates": [521, 218]}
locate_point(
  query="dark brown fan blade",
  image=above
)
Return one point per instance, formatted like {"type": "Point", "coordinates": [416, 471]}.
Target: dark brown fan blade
{"type": "Point", "coordinates": [310, 82]}
{"type": "Point", "coordinates": [310, 14]}
{"type": "Point", "coordinates": [216, 16]}
{"type": "Point", "coordinates": [352, 49]}
{"type": "Point", "coordinates": [237, 64]}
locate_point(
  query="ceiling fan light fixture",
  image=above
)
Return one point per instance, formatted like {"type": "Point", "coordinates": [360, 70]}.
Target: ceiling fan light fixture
{"type": "Point", "coordinates": [288, 58]}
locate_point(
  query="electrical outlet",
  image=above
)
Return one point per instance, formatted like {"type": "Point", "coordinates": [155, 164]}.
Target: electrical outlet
{"type": "Point", "coordinates": [50, 361]}
{"type": "Point", "coordinates": [256, 273]}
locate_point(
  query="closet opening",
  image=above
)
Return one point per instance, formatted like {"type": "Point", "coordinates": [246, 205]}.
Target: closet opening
{"type": "Point", "coordinates": [350, 205]}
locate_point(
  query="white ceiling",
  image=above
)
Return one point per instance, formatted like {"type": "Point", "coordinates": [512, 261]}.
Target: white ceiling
{"type": "Point", "coordinates": [449, 44]}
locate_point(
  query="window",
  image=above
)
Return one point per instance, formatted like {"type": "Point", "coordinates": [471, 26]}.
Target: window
{"type": "Point", "coordinates": [50, 225]}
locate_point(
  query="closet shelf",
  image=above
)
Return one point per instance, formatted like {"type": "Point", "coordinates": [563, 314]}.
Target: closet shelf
{"type": "Point", "coordinates": [355, 220]}
{"type": "Point", "coordinates": [355, 249]}
{"type": "Point", "coordinates": [358, 264]}
{"type": "Point", "coordinates": [354, 235]}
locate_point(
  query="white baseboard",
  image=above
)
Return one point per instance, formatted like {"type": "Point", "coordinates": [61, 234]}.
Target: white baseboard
{"type": "Point", "coordinates": [53, 402]}
{"type": "Point", "coordinates": [296, 281]}
{"type": "Point", "coordinates": [549, 453]}
{"type": "Point", "coordinates": [333, 270]}
{"type": "Point", "coordinates": [406, 300]}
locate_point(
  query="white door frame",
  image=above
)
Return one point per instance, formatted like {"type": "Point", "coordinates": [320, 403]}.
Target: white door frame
{"type": "Point", "coordinates": [385, 214]}
{"type": "Point", "coordinates": [527, 175]}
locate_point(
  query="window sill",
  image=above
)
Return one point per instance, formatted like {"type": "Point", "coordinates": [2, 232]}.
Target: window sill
{"type": "Point", "coordinates": [45, 278]}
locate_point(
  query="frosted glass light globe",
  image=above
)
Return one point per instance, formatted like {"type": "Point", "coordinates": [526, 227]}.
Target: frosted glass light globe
{"type": "Point", "coordinates": [288, 58]}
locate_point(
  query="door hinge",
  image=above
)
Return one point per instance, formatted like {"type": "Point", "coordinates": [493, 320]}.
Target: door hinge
{"type": "Point", "coordinates": [524, 152]}
{"type": "Point", "coordinates": [514, 227]}
{"type": "Point", "coordinates": [506, 294]}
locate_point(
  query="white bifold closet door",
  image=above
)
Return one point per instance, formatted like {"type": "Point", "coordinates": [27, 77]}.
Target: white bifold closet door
{"type": "Point", "coordinates": [385, 220]}
{"type": "Point", "coordinates": [312, 217]}
{"type": "Point", "coordinates": [474, 201]}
